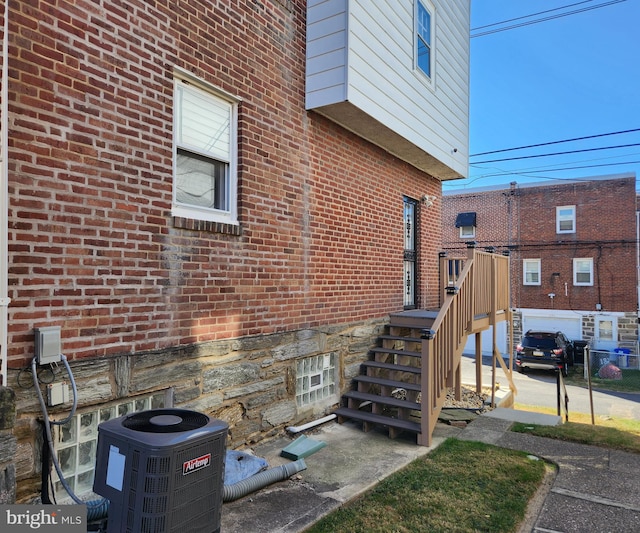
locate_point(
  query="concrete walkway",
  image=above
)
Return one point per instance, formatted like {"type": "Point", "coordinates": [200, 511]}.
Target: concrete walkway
{"type": "Point", "coordinates": [595, 490]}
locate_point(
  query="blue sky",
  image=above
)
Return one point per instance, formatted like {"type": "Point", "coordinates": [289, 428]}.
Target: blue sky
{"type": "Point", "coordinates": [573, 76]}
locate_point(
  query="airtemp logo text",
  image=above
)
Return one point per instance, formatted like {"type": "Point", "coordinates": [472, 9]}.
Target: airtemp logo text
{"type": "Point", "coordinates": [196, 464]}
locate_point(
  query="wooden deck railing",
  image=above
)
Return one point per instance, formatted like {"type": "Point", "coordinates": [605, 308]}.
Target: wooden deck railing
{"type": "Point", "coordinates": [476, 296]}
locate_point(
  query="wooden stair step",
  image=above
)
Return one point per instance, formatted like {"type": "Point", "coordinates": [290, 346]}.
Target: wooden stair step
{"type": "Point", "coordinates": [399, 338]}
{"type": "Point", "coordinates": [396, 352]}
{"type": "Point", "coordinates": [384, 400]}
{"type": "Point", "coordinates": [380, 420]}
{"type": "Point", "coordinates": [393, 367]}
{"type": "Point", "coordinates": [416, 319]}
{"type": "Point", "coordinates": [387, 383]}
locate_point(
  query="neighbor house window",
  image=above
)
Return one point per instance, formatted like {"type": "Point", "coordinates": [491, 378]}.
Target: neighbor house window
{"type": "Point", "coordinates": [583, 271]}
{"type": "Point", "coordinates": [76, 443]}
{"type": "Point", "coordinates": [467, 224]}
{"type": "Point", "coordinates": [532, 270]}
{"type": "Point", "coordinates": [205, 152]}
{"type": "Point", "coordinates": [424, 37]}
{"type": "Point", "coordinates": [566, 219]}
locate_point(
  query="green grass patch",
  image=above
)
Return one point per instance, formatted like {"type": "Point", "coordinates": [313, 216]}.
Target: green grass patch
{"type": "Point", "coordinates": [615, 433]}
{"type": "Point", "coordinates": [630, 381]}
{"type": "Point", "coordinates": [461, 486]}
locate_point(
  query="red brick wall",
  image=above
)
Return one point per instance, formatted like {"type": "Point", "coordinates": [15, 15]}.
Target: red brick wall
{"type": "Point", "coordinates": [495, 223]}
{"type": "Point", "coordinates": [523, 219]}
{"type": "Point", "coordinates": [93, 246]}
{"type": "Point", "coordinates": [605, 231]}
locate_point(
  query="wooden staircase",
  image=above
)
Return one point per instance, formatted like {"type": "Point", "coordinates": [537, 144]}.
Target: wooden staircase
{"type": "Point", "coordinates": [387, 393]}
{"type": "Point", "coordinates": [404, 384]}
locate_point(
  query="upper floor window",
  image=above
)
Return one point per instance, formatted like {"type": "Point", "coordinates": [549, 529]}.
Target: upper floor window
{"type": "Point", "coordinates": [424, 37]}
{"type": "Point", "coordinates": [467, 224]}
{"type": "Point", "coordinates": [566, 219]}
{"type": "Point", "coordinates": [583, 271]}
{"type": "Point", "coordinates": [531, 271]}
{"type": "Point", "coordinates": [205, 153]}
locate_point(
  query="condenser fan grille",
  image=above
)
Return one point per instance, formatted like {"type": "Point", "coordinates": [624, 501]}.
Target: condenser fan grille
{"type": "Point", "coordinates": [165, 421]}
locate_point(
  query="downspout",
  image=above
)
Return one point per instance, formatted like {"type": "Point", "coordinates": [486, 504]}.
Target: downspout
{"type": "Point", "coordinates": [4, 196]}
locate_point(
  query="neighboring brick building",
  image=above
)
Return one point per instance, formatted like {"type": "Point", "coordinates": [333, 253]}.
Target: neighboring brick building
{"type": "Point", "coordinates": [218, 203]}
{"type": "Point", "coordinates": [573, 249]}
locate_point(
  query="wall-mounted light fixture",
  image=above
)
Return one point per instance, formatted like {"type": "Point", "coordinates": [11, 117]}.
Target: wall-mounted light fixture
{"type": "Point", "coordinates": [428, 200]}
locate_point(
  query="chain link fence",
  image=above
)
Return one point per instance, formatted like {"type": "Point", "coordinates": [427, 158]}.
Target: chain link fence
{"type": "Point", "coordinates": [611, 364]}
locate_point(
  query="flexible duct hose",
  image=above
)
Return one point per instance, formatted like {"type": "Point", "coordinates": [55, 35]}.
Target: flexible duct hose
{"type": "Point", "coordinates": [261, 479]}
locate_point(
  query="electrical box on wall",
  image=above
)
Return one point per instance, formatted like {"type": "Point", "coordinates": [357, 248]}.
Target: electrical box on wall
{"type": "Point", "coordinates": [48, 345]}
{"type": "Point", "coordinates": [57, 393]}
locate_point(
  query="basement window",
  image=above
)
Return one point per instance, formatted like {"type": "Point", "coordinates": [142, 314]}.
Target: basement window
{"type": "Point", "coordinates": [76, 443]}
{"type": "Point", "coordinates": [315, 379]}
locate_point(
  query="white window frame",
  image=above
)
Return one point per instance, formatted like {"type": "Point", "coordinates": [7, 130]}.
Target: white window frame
{"type": "Point", "coordinates": [561, 218]}
{"type": "Point", "coordinates": [429, 8]}
{"type": "Point", "coordinates": [578, 268]}
{"type": "Point", "coordinates": [185, 83]}
{"type": "Point", "coordinates": [537, 264]}
{"type": "Point", "coordinates": [467, 232]}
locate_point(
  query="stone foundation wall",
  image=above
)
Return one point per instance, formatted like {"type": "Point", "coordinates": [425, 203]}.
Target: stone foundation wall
{"type": "Point", "coordinates": [8, 445]}
{"type": "Point", "coordinates": [248, 382]}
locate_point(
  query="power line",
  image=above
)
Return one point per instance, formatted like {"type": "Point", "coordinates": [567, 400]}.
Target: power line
{"type": "Point", "coordinates": [545, 19]}
{"type": "Point", "coordinates": [555, 142]}
{"type": "Point", "coordinates": [531, 15]}
{"type": "Point", "coordinates": [557, 153]}
{"type": "Point", "coordinates": [525, 172]}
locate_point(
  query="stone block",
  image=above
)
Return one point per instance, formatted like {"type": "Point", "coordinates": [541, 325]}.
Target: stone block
{"type": "Point", "coordinates": [8, 445]}
{"type": "Point", "coordinates": [252, 388]}
{"type": "Point", "coordinates": [280, 413]}
{"type": "Point", "coordinates": [230, 376]}
{"type": "Point", "coordinates": [7, 408]}
{"type": "Point", "coordinates": [8, 485]}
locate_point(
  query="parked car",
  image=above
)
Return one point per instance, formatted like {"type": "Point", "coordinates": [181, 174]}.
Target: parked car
{"type": "Point", "coordinates": [546, 350]}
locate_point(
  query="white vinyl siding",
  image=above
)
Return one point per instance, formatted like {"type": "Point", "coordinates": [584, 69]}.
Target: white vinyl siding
{"type": "Point", "coordinates": [362, 53]}
{"type": "Point", "coordinates": [205, 154]}
{"type": "Point", "coordinates": [531, 271]}
{"type": "Point", "coordinates": [583, 271]}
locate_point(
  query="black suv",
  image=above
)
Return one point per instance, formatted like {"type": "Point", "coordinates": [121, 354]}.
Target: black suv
{"type": "Point", "coordinates": [544, 349]}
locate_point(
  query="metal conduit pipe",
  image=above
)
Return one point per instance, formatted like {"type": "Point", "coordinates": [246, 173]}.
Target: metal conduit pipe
{"type": "Point", "coordinates": [261, 480]}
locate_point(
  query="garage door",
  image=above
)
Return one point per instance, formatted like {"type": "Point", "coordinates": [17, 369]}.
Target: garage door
{"type": "Point", "coordinates": [571, 327]}
{"type": "Point", "coordinates": [487, 341]}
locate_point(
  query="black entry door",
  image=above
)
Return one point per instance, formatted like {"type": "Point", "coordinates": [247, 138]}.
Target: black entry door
{"type": "Point", "coordinates": [410, 252]}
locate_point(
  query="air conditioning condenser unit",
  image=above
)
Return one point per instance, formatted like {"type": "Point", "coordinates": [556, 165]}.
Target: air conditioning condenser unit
{"type": "Point", "coordinates": [162, 471]}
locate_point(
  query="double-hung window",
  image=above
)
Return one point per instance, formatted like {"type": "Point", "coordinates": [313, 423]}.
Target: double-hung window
{"type": "Point", "coordinates": [205, 152]}
{"type": "Point", "coordinates": [583, 271]}
{"type": "Point", "coordinates": [531, 271]}
{"type": "Point", "coordinates": [424, 37]}
{"type": "Point", "coordinates": [566, 219]}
